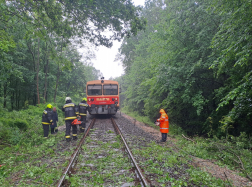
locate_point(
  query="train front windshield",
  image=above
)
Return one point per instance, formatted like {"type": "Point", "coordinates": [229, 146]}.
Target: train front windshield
{"type": "Point", "coordinates": [94, 89]}
{"type": "Point", "coordinates": [110, 89]}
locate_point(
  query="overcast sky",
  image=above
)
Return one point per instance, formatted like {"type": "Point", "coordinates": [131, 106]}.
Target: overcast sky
{"type": "Point", "coordinates": [105, 57]}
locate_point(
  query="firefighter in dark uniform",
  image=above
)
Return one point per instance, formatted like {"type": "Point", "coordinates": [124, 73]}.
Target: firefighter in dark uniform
{"type": "Point", "coordinates": [47, 119]}
{"type": "Point", "coordinates": [70, 115]}
{"type": "Point", "coordinates": [83, 107]}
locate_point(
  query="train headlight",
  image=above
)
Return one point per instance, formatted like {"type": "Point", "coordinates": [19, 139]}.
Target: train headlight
{"type": "Point", "coordinates": [116, 99]}
{"type": "Point", "coordinates": [113, 99]}
{"type": "Point", "coordinates": [89, 99]}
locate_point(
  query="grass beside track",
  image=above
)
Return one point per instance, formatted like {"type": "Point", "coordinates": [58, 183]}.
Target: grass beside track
{"type": "Point", "coordinates": [26, 157]}
{"type": "Point", "coordinates": [39, 165]}
{"type": "Point", "coordinates": [231, 153]}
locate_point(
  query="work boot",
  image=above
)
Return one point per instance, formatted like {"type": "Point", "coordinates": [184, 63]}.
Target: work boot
{"type": "Point", "coordinates": [68, 139]}
{"type": "Point", "coordinates": [75, 138]}
{"type": "Point", "coordinates": [56, 130]}
{"type": "Point", "coordinates": [160, 142]}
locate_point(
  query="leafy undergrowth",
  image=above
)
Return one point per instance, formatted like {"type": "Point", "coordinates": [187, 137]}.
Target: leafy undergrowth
{"type": "Point", "coordinates": [235, 153]}
{"type": "Point", "coordinates": [16, 126]}
{"type": "Point", "coordinates": [26, 158]}
{"type": "Point", "coordinates": [230, 153]}
{"type": "Point", "coordinates": [168, 167]}
{"type": "Point", "coordinates": [32, 164]}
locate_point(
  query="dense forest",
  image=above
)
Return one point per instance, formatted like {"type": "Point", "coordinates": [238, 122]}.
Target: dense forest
{"type": "Point", "coordinates": [193, 60]}
{"type": "Point", "coordinates": [39, 42]}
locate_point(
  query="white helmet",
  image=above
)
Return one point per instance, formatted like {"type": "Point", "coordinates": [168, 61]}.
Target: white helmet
{"type": "Point", "coordinates": [68, 98]}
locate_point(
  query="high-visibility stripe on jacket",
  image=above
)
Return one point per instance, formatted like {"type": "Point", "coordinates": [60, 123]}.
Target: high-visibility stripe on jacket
{"type": "Point", "coordinates": [69, 109]}
{"type": "Point", "coordinates": [47, 117]}
{"type": "Point", "coordinates": [83, 107]}
{"type": "Point", "coordinates": [76, 108]}
{"type": "Point", "coordinates": [45, 123]}
{"type": "Point", "coordinates": [164, 123]}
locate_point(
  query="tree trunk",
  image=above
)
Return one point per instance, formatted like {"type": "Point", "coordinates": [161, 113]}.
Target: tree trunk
{"type": "Point", "coordinates": [46, 71]}
{"type": "Point", "coordinates": [18, 99]}
{"type": "Point", "coordinates": [16, 94]}
{"type": "Point", "coordinates": [12, 93]}
{"type": "Point", "coordinates": [58, 75]}
{"type": "Point", "coordinates": [5, 94]}
{"type": "Point", "coordinates": [48, 85]}
{"type": "Point", "coordinates": [12, 100]}
{"type": "Point", "coordinates": [38, 75]}
{"type": "Point", "coordinates": [29, 45]}
{"type": "Point", "coordinates": [46, 81]}
{"type": "Point", "coordinates": [57, 81]}
{"type": "Point", "coordinates": [34, 97]}
{"type": "Point", "coordinates": [25, 100]}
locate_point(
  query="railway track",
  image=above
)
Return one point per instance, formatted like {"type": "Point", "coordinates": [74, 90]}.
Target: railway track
{"type": "Point", "coordinates": [102, 145]}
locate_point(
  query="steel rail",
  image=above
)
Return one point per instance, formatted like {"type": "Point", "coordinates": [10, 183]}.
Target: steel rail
{"type": "Point", "coordinates": [142, 178]}
{"type": "Point", "coordinates": [74, 156]}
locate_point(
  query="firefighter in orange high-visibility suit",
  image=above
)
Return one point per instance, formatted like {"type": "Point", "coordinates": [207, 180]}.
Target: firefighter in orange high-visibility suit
{"type": "Point", "coordinates": [163, 124]}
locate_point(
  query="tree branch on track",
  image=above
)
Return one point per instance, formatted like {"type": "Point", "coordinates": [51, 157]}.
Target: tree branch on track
{"type": "Point", "coordinates": [188, 139]}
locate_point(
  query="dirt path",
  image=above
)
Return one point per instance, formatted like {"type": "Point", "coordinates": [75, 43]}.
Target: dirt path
{"type": "Point", "coordinates": [205, 165]}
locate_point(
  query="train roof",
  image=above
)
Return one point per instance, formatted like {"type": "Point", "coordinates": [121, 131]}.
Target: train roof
{"type": "Point", "coordinates": [105, 82]}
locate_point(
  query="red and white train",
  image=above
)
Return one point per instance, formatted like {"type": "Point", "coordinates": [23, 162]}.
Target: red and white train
{"type": "Point", "coordinates": [103, 96]}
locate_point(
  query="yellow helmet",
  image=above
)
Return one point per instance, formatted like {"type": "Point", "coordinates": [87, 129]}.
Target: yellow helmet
{"type": "Point", "coordinates": [84, 99]}
{"type": "Point", "coordinates": [49, 106]}
{"type": "Point", "coordinates": [161, 111]}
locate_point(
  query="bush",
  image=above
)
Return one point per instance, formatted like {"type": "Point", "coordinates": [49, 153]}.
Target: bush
{"type": "Point", "coordinates": [21, 124]}
{"type": "Point", "coordinates": [4, 131]}
{"type": "Point", "coordinates": [24, 126]}
{"type": "Point", "coordinates": [14, 125]}
{"type": "Point", "coordinates": [15, 136]}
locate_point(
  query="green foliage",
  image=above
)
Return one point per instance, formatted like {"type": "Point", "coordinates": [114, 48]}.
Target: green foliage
{"type": "Point", "coordinates": [169, 167]}
{"type": "Point", "coordinates": [6, 43]}
{"type": "Point", "coordinates": [17, 126]}
{"type": "Point", "coordinates": [194, 61]}
{"type": "Point", "coordinates": [23, 148]}
{"type": "Point", "coordinates": [39, 60]}
{"type": "Point", "coordinates": [70, 19]}
{"type": "Point", "coordinates": [232, 152]}
{"type": "Point", "coordinates": [21, 124]}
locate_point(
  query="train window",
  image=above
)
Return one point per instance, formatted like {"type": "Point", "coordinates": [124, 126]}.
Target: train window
{"type": "Point", "coordinates": [110, 89]}
{"type": "Point", "coordinates": [94, 89]}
